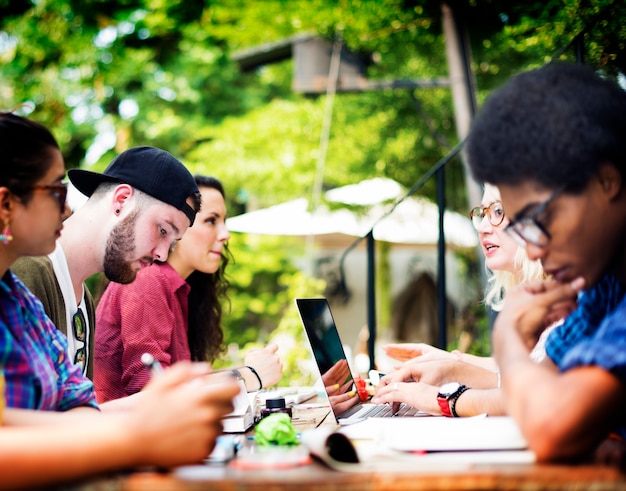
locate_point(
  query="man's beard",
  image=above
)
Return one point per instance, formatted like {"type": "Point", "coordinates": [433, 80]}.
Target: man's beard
{"type": "Point", "coordinates": [120, 246]}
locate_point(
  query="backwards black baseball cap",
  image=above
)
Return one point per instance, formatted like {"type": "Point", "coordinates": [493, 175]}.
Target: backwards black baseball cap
{"type": "Point", "coordinates": [149, 169]}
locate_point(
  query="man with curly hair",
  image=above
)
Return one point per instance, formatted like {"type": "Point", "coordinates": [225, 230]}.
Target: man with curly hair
{"type": "Point", "coordinates": [554, 142]}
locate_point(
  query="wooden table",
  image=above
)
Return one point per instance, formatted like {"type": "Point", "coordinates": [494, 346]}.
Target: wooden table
{"type": "Point", "coordinates": [315, 476]}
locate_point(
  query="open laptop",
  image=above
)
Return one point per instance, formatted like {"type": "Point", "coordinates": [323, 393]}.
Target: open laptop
{"type": "Point", "coordinates": [404, 433]}
{"type": "Point", "coordinates": [328, 352]}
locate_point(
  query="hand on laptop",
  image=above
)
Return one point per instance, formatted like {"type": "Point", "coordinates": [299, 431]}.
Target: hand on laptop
{"type": "Point", "coordinates": [416, 394]}
{"type": "Point", "coordinates": [441, 371]}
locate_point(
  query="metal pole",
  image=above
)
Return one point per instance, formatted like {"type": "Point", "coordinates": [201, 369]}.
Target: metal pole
{"type": "Point", "coordinates": [579, 45]}
{"type": "Point", "coordinates": [441, 263]}
{"type": "Point", "coordinates": [462, 86]}
{"type": "Point", "coordinates": [371, 298]}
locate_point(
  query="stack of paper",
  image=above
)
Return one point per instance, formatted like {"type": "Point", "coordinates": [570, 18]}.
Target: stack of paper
{"type": "Point", "coordinates": [419, 444]}
{"type": "Point", "coordinates": [242, 417]}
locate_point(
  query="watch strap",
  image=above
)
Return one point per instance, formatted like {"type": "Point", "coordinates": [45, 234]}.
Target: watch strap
{"type": "Point", "coordinates": [447, 400]}
{"type": "Point", "coordinates": [455, 397]}
{"type": "Point", "coordinates": [444, 405]}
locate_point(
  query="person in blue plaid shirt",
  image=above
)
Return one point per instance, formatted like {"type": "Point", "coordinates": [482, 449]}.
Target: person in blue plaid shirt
{"type": "Point", "coordinates": [175, 421]}
{"type": "Point", "coordinates": [33, 353]}
{"type": "Point", "coordinates": [554, 142]}
{"type": "Point", "coordinates": [38, 373]}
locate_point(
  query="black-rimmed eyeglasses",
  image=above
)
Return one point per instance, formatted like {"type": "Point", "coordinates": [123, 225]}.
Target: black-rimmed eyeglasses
{"type": "Point", "coordinates": [494, 213]}
{"type": "Point", "coordinates": [528, 230]}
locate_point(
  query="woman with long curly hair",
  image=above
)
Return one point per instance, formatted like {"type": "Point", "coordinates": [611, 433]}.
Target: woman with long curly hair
{"type": "Point", "coordinates": [173, 310]}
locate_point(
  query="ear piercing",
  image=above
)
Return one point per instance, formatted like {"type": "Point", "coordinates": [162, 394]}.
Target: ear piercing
{"type": "Point", "coordinates": [5, 236]}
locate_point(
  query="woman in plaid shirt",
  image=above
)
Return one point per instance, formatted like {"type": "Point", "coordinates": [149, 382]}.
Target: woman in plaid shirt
{"type": "Point", "coordinates": [46, 396]}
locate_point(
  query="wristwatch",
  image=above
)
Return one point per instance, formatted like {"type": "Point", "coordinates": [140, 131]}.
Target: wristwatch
{"type": "Point", "coordinates": [447, 396]}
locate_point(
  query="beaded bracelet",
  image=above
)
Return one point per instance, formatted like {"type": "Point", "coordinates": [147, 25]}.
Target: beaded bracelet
{"type": "Point", "coordinates": [257, 376]}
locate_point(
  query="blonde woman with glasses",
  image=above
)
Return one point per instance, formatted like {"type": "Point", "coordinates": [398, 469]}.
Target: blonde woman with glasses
{"type": "Point", "coordinates": [432, 367]}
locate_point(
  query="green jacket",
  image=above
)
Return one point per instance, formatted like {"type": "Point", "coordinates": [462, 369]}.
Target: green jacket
{"type": "Point", "coordinates": [38, 275]}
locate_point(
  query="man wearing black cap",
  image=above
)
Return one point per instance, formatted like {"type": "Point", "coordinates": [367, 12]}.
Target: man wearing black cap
{"type": "Point", "coordinates": [144, 201]}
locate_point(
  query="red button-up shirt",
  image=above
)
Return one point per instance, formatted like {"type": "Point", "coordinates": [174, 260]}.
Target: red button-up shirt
{"type": "Point", "coordinates": [148, 315]}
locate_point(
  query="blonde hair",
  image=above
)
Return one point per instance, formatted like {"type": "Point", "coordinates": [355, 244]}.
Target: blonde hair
{"type": "Point", "coordinates": [498, 282]}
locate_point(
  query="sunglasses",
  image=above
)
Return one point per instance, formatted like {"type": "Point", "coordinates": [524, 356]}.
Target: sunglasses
{"type": "Point", "coordinates": [78, 326]}
{"type": "Point", "coordinates": [79, 357]}
{"type": "Point", "coordinates": [57, 191]}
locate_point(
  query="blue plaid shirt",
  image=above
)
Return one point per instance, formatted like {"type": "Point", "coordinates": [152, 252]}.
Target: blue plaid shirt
{"type": "Point", "coordinates": [595, 333]}
{"type": "Point", "coordinates": [33, 353]}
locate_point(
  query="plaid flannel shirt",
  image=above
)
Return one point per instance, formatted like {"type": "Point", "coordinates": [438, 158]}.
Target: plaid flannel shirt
{"type": "Point", "coordinates": [595, 333]}
{"type": "Point", "coordinates": [33, 355]}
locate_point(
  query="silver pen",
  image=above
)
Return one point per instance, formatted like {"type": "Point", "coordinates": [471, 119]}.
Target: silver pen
{"type": "Point", "coordinates": [151, 363]}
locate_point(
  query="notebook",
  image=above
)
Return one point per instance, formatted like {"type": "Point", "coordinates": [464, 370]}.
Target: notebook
{"type": "Point", "coordinates": [327, 349]}
{"type": "Point", "coordinates": [292, 395]}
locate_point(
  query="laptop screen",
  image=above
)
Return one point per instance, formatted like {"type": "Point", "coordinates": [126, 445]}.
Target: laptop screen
{"type": "Point", "coordinates": [328, 352]}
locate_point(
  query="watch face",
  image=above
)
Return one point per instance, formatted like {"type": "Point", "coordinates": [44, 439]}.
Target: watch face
{"type": "Point", "coordinates": [449, 389]}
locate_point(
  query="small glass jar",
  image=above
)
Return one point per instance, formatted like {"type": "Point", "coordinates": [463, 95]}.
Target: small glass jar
{"type": "Point", "coordinates": [275, 406]}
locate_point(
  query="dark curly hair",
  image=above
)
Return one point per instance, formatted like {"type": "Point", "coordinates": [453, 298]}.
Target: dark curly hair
{"type": "Point", "coordinates": [553, 126]}
{"type": "Point", "coordinates": [206, 338]}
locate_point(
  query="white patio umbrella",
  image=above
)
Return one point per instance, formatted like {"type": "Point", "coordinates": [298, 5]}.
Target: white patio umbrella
{"type": "Point", "coordinates": [368, 192]}
{"type": "Point", "coordinates": [293, 218]}
{"type": "Point", "coordinates": [414, 221]}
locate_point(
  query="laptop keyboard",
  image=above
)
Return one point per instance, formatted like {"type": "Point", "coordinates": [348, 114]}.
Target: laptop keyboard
{"type": "Point", "coordinates": [384, 411]}
{"type": "Point", "coordinates": [406, 410]}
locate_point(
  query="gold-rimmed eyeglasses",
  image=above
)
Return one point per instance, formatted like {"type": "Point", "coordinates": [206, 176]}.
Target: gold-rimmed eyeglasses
{"type": "Point", "coordinates": [494, 213]}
